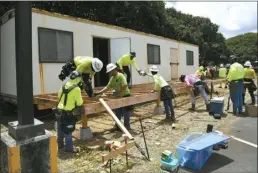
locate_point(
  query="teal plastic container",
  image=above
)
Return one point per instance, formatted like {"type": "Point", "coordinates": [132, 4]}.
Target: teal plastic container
{"type": "Point", "coordinates": [217, 105]}
{"type": "Point", "coordinates": [172, 165]}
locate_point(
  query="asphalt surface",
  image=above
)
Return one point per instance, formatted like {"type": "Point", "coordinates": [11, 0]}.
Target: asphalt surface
{"type": "Point", "coordinates": [239, 157]}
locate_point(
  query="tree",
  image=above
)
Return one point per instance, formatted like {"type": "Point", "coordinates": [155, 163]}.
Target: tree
{"type": "Point", "coordinates": [244, 46]}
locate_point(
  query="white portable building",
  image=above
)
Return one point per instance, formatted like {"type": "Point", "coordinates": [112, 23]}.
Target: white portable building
{"type": "Point", "coordinates": [57, 38]}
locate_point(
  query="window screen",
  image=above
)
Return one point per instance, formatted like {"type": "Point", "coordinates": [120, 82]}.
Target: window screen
{"type": "Point", "coordinates": [189, 58]}
{"type": "Point", "coordinates": [153, 53]}
{"type": "Point", "coordinates": [55, 45]}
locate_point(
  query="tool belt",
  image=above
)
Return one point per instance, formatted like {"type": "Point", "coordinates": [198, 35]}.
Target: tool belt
{"type": "Point", "coordinates": [166, 93]}
{"type": "Point", "coordinates": [67, 120]}
{"type": "Point", "coordinates": [251, 85]}
{"type": "Point", "coordinates": [196, 90]}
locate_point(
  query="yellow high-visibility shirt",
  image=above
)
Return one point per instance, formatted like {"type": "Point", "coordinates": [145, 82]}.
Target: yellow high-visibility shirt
{"type": "Point", "coordinates": [83, 65]}
{"type": "Point", "coordinates": [199, 72]}
{"type": "Point", "coordinates": [74, 97]}
{"type": "Point", "coordinates": [236, 72]}
{"type": "Point", "coordinates": [249, 73]}
{"type": "Point", "coordinates": [223, 72]}
{"type": "Point", "coordinates": [125, 60]}
{"type": "Point", "coordinates": [118, 81]}
{"type": "Point", "coordinates": [159, 82]}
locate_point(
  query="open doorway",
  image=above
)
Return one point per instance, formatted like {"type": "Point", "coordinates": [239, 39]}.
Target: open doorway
{"type": "Point", "coordinates": [101, 51]}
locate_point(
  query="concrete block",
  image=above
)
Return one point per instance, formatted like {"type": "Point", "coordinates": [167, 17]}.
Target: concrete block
{"type": "Point", "coordinates": [85, 133]}
{"type": "Point", "coordinates": [158, 110]}
{"type": "Point", "coordinates": [37, 154]}
{"type": "Point", "coordinates": [23, 132]}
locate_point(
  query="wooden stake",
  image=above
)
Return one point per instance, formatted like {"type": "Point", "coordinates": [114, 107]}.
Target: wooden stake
{"type": "Point", "coordinates": [118, 151]}
{"type": "Point", "coordinates": [118, 122]}
{"type": "Point", "coordinates": [85, 121]}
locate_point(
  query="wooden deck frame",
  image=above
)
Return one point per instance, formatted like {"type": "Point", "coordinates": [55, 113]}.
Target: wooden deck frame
{"type": "Point", "coordinates": [140, 94]}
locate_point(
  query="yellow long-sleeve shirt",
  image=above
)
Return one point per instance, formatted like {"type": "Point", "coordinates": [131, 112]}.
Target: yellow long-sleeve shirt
{"type": "Point", "coordinates": [74, 97]}
{"type": "Point", "coordinates": [249, 73]}
{"type": "Point", "coordinates": [236, 72]}
{"type": "Point", "coordinates": [125, 60]}
{"type": "Point", "coordinates": [159, 82]}
{"type": "Point", "coordinates": [83, 65]}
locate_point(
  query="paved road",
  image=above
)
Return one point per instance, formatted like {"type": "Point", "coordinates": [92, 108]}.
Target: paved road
{"type": "Point", "coordinates": [239, 157]}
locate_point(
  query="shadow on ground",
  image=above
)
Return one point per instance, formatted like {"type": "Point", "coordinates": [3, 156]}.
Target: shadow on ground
{"type": "Point", "coordinates": [215, 162]}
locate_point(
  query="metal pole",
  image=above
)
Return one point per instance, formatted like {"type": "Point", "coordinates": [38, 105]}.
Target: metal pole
{"type": "Point", "coordinates": [23, 47]}
{"type": "Point", "coordinates": [144, 140]}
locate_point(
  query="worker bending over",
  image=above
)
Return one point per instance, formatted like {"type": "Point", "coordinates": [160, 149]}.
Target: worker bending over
{"type": "Point", "coordinates": [197, 86]}
{"type": "Point", "coordinates": [123, 65]}
{"type": "Point", "coordinates": [200, 72]}
{"type": "Point", "coordinates": [166, 92]}
{"type": "Point", "coordinates": [70, 101]}
{"type": "Point", "coordinates": [236, 85]}
{"type": "Point", "coordinates": [222, 74]}
{"type": "Point", "coordinates": [118, 83]}
{"type": "Point", "coordinates": [85, 65]}
{"type": "Point", "coordinates": [249, 75]}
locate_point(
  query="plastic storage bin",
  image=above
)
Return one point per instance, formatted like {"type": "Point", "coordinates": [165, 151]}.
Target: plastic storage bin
{"type": "Point", "coordinates": [196, 148]}
{"type": "Point", "coordinates": [217, 105]}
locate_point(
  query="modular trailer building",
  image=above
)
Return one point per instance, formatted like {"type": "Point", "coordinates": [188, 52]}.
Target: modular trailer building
{"type": "Point", "coordinates": [57, 38]}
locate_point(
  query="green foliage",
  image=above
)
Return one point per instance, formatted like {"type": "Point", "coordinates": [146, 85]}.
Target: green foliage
{"type": "Point", "coordinates": [244, 46]}
{"type": "Point", "coordinates": [149, 17]}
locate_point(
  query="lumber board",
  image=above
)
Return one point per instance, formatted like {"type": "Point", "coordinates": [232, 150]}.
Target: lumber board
{"type": "Point", "coordinates": [121, 102]}
{"type": "Point", "coordinates": [118, 151]}
{"type": "Point", "coordinates": [118, 122]}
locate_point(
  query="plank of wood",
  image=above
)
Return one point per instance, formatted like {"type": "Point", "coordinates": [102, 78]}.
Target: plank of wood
{"type": "Point", "coordinates": [118, 122]}
{"type": "Point", "coordinates": [122, 102]}
{"type": "Point", "coordinates": [118, 151]}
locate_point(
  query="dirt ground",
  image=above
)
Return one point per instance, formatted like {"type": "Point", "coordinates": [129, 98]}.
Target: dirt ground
{"type": "Point", "coordinates": [159, 136]}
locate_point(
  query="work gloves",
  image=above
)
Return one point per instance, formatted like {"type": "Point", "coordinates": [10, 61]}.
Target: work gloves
{"type": "Point", "coordinates": [141, 72]}
{"type": "Point", "coordinates": [62, 76]}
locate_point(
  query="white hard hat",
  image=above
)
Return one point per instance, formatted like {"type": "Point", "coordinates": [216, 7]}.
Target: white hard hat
{"type": "Point", "coordinates": [221, 65]}
{"type": "Point", "coordinates": [110, 67]}
{"type": "Point", "coordinates": [154, 68]}
{"type": "Point", "coordinates": [248, 64]}
{"type": "Point", "coordinates": [97, 64]}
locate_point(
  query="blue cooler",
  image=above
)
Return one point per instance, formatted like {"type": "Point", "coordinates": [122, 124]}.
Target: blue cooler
{"type": "Point", "coordinates": [217, 105]}
{"type": "Point", "coordinates": [196, 148]}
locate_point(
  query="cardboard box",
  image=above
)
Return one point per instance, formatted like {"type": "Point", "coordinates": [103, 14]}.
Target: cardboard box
{"type": "Point", "coordinates": [251, 110]}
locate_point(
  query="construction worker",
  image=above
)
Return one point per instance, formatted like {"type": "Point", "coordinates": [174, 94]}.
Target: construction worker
{"type": "Point", "coordinates": [197, 86]}
{"type": "Point", "coordinates": [118, 83]}
{"type": "Point", "coordinates": [249, 75]}
{"type": "Point", "coordinates": [222, 74]}
{"type": "Point", "coordinates": [85, 65]}
{"type": "Point", "coordinates": [200, 72]}
{"type": "Point", "coordinates": [123, 65]}
{"type": "Point", "coordinates": [166, 92]}
{"type": "Point", "coordinates": [236, 85]}
{"type": "Point", "coordinates": [70, 101]}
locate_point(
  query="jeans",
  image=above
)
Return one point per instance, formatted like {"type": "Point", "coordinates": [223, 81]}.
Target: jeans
{"type": "Point", "coordinates": [203, 94]}
{"type": "Point", "coordinates": [236, 95]}
{"type": "Point", "coordinates": [126, 114]}
{"type": "Point", "coordinates": [61, 136]}
{"type": "Point", "coordinates": [169, 109]}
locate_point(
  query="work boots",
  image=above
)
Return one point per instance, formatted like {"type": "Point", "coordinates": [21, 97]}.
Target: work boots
{"type": "Point", "coordinates": [192, 108]}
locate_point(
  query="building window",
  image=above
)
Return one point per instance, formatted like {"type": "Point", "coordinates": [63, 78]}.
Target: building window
{"type": "Point", "coordinates": [189, 57]}
{"type": "Point", "coordinates": [55, 45]}
{"type": "Point", "coordinates": [153, 53]}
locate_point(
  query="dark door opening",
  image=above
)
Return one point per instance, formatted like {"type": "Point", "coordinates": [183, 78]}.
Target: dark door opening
{"type": "Point", "coordinates": [101, 51]}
